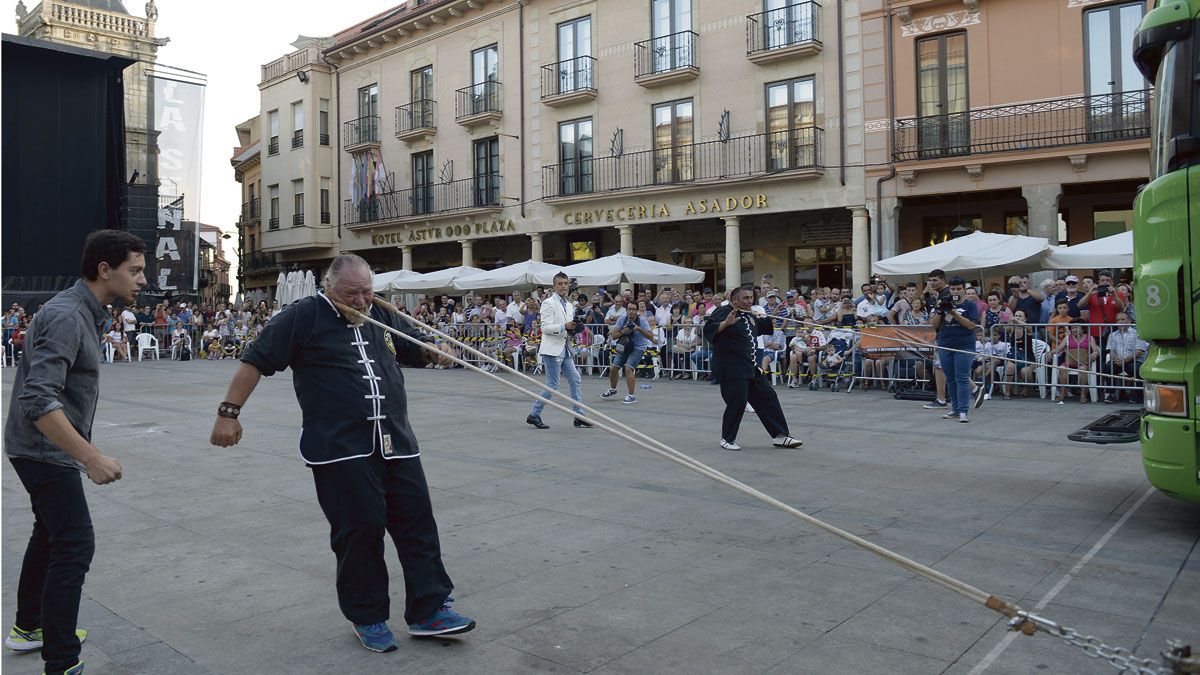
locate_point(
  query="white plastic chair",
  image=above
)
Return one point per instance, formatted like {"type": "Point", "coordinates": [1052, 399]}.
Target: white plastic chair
{"type": "Point", "coordinates": [147, 342]}
{"type": "Point", "coordinates": [175, 351]}
{"type": "Point", "coordinates": [110, 353]}
{"type": "Point", "coordinates": [1041, 350]}
{"type": "Point", "coordinates": [1092, 381]}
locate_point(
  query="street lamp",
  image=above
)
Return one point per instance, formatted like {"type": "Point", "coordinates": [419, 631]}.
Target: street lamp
{"type": "Point", "coordinates": [960, 231]}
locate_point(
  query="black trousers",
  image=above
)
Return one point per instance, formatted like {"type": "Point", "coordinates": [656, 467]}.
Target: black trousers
{"type": "Point", "coordinates": [57, 559]}
{"type": "Point", "coordinates": [362, 498]}
{"type": "Point", "coordinates": [756, 391]}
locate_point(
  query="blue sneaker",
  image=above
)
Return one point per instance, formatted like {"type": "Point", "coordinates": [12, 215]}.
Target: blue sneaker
{"type": "Point", "coordinates": [375, 636]}
{"type": "Point", "coordinates": [444, 621]}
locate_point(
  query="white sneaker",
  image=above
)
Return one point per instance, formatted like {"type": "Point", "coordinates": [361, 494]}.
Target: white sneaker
{"type": "Point", "coordinates": [962, 417]}
{"type": "Point", "coordinates": [629, 399]}
{"type": "Point", "coordinates": [609, 394]}
{"type": "Point", "coordinates": [730, 446]}
{"type": "Point", "coordinates": [787, 442]}
{"type": "Point", "coordinates": [950, 415]}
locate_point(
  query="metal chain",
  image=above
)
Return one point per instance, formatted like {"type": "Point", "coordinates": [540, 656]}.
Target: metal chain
{"type": "Point", "coordinates": [1118, 657]}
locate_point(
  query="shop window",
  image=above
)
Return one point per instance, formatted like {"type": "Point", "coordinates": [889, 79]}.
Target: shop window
{"type": "Point", "coordinates": [1108, 223]}
{"type": "Point", "coordinates": [821, 266]}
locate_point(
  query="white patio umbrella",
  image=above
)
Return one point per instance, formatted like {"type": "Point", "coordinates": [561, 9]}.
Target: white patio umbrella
{"type": "Point", "coordinates": [383, 280]}
{"type": "Point", "coordinates": [983, 252]}
{"type": "Point", "coordinates": [280, 289]}
{"type": "Point", "coordinates": [310, 283]}
{"type": "Point", "coordinates": [617, 269]}
{"type": "Point", "coordinates": [528, 273]}
{"type": "Point", "coordinates": [1115, 251]}
{"type": "Point", "coordinates": [439, 281]}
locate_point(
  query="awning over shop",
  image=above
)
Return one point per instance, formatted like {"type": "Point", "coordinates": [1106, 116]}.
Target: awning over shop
{"type": "Point", "coordinates": [528, 273]}
{"type": "Point", "coordinates": [437, 282]}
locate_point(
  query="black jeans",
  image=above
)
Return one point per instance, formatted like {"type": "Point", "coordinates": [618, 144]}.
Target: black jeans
{"type": "Point", "coordinates": [362, 498]}
{"type": "Point", "coordinates": [756, 391]}
{"type": "Point", "coordinates": [57, 558]}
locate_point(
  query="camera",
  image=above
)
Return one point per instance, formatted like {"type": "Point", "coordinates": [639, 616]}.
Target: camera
{"type": "Point", "coordinates": [1102, 290]}
{"type": "Point", "coordinates": [945, 302]}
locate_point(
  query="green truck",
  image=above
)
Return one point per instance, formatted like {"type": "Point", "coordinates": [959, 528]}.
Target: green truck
{"type": "Point", "coordinates": [1166, 250]}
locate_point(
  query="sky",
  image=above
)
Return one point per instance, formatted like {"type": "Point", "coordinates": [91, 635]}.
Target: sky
{"type": "Point", "coordinates": [228, 41]}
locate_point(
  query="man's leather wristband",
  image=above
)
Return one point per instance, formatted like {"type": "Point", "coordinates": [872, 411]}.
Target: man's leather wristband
{"type": "Point", "coordinates": [229, 410]}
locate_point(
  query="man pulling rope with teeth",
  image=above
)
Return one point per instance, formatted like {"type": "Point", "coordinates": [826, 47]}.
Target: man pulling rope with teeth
{"type": "Point", "coordinates": [357, 440]}
{"type": "Point", "coordinates": [733, 330]}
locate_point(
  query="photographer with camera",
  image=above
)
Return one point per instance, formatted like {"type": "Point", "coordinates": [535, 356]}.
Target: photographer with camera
{"type": "Point", "coordinates": [1021, 296]}
{"type": "Point", "coordinates": [954, 319]}
{"type": "Point", "coordinates": [556, 352]}
{"type": "Point", "coordinates": [632, 336]}
{"type": "Point", "coordinates": [1102, 304]}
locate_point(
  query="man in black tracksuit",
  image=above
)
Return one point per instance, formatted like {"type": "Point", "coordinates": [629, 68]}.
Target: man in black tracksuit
{"type": "Point", "coordinates": [733, 331]}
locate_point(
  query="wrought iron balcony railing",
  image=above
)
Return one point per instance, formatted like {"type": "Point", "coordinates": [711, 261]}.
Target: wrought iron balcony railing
{"type": "Point", "coordinates": [273, 146]}
{"type": "Point", "coordinates": [298, 139]}
{"type": "Point", "coordinates": [790, 26]}
{"type": "Point", "coordinates": [477, 99]}
{"type": "Point", "coordinates": [250, 209]}
{"type": "Point", "coordinates": [258, 261]}
{"type": "Point", "coordinates": [467, 193]}
{"type": "Point", "coordinates": [569, 76]}
{"type": "Point", "coordinates": [297, 219]}
{"type": "Point", "coordinates": [324, 217]}
{"type": "Point", "coordinates": [1055, 123]}
{"type": "Point", "coordinates": [759, 154]}
{"type": "Point", "coordinates": [676, 51]}
{"type": "Point", "coordinates": [361, 131]}
{"type": "Point", "coordinates": [324, 139]}
{"type": "Point", "coordinates": [420, 114]}
{"type": "Point", "coordinates": [273, 223]}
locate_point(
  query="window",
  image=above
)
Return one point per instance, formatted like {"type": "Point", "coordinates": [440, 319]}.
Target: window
{"type": "Point", "coordinates": [1108, 223]}
{"type": "Point", "coordinates": [673, 142]}
{"type": "Point", "coordinates": [1112, 82]}
{"type": "Point", "coordinates": [938, 229]}
{"type": "Point", "coordinates": [273, 192]}
{"type": "Point", "coordinates": [943, 127]}
{"type": "Point", "coordinates": [575, 157]}
{"type": "Point", "coordinates": [821, 267]}
{"type": "Point", "coordinates": [487, 171]}
{"type": "Point", "coordinates": [368, 100]}
{"type": "Point", "coordinates": [671, 46]}
{"type": "Point", "coordinates": [485, 74]}
{"type": "Point", "coordinates": [421, 97]}
{"type": "Point", "coordinates": [324, 201]}
{"type": "Point", "coordinates": [791, 116]}
{"type": "Point", "coordinates": [324, 121]}
{"type": "Point", "coordinates": [298, 124]}
{"type": "Point", "coordinates": [297, 202]}
{"type": "Point", "coordinates": [253, 244]}
{"type": "Point", "coordinates": [422, 182]}
{"type": "Point", "coordinates": [787, 22]}
{"type": "Point", "coordinates": [574, 46]}
{"type": "Point", "coordinates": [366, 127]}
{"type": "Point", "coordinates": [273, 123]}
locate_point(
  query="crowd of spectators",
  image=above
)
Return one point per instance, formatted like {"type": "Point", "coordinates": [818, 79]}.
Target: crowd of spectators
{"type": "Point", "coordinates": [1082, 325]}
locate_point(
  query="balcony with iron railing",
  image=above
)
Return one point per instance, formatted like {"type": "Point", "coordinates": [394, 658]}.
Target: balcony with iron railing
{"type": "Point", "coordinates": [361, 133]}
{"type": "Point", "coordinates": [467, 194]}
{"type": "Point", "coordinates": [298, 139]}
{"type": "Point", "coordinates": [297, 219]}
{"type": "Point", "coordinates": [250, 210]}
{"type": "Point", "coordinates": [1056, 123]}
{"type": "Point", "coordinates": [478, 103]}
{"type": "Point", "coordinates": [416, 120]}
{"type": "Point", "coordinates": [273, 223]}
{"type": "Point", "coordinates": [273, 146]}
{"type": "Point", "coordinates": [258, 261]}
{"type": "Point", "coordinates": [794, 152]}
{"type": "Point", "coordinates": [666, 59]}
{"type": "Point", "coordinates": [784, 33]}
{"type": "Point", "coordinates": [569, 81]}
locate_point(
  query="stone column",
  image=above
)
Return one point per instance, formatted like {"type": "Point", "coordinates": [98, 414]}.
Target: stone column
{"type": "Point", "coordinates": [733, 255]}
{"type": "Point", "coordinates": [860, 240]}
{"type": "Point", "coordinates": [468, 248]}
{"type": "Point", "coordinates": [1042, 204]}
{"type": "Point", "coordinates": [406, 258]}
{"type": "Point", "coordinates": [626, 248]}
{"type": "Point", "coordinates": [535, 246]}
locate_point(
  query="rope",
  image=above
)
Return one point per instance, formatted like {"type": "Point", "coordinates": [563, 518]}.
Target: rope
{"type": "Point", "coordinates": [1024, 362]}
{"type": "Point", "coordinates": [619, 429]}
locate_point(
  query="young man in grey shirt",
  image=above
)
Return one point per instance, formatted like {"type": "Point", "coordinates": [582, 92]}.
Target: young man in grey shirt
{"type": "Point", "coordinates": [47, 438]}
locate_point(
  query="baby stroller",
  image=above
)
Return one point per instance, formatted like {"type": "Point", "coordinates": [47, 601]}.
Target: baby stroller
{"type": "Point", "coordinates": [834, 373]}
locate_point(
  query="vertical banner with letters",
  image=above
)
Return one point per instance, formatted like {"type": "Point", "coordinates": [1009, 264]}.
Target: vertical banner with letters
{"type": "Point", "coordinates": [178, 122]}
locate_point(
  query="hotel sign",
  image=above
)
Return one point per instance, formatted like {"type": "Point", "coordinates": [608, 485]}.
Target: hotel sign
{"type": "Point", "coordinates": [633, 213]}
{"type": "Point", "coordinates": [420, 235]}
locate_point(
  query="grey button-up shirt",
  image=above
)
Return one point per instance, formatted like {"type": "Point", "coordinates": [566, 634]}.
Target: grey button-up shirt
{"type": "Point", "coordinates": [60, 369]}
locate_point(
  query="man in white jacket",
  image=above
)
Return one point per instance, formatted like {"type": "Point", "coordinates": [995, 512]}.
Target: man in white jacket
{"type": "Point", "coordinates": [556, 353]}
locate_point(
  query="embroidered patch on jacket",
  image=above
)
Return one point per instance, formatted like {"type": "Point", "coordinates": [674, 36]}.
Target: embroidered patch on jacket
{"type": "Point", "coordinates": [387, 340]}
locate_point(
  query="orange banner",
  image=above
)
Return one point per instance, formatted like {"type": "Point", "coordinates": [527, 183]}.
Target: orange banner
{"type": "Point", "coordinates": [913, 340]}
